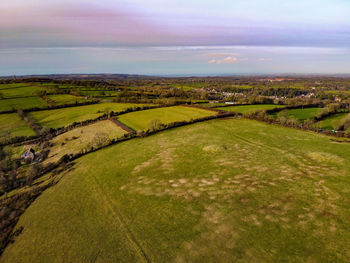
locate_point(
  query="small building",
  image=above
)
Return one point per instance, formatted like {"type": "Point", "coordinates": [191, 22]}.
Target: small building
{"type": "Point", "coordinates": [28, 156]}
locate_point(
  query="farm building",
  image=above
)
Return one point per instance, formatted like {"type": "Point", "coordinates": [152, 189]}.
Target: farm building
{"type": "Point", "coordinates": [28, 156]}
{"type": "Point", "coordinates": [31, 156]}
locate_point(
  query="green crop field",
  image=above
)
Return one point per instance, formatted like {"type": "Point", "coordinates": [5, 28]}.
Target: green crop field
{"type": "Point", "coordinates": [333, 121]}
{"type": "Point", "coordinates": [141, 120]}
{"type": "Point", "coordinates": [82, 137]}
{"type": "Point", "coordinates": [66, 116]}
{"type": "Point", "coordinates": [66, 99]}
{"type": "Point", "coordinates": [22, 103]}
{"type": "Point", "coordinates": [250, 108]}
{"type": "Point", "coordinates": [14, 125]}
{"type": "Point", "coordinates": [218, 191]}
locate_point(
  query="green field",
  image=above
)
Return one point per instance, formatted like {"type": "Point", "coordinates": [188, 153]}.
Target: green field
{"type": "Point", "coordinates": [14, 125]}
{"type": "Point", "coordinates": [23, 90]}
{"type": "Point", "coordinates": [250, 108]}
{"type": "Point", "coordinates": [332, 122]}
{"type": "Point", "coordinates": [66, 99]}
{"type": "Point", "coordinates": [301, 114]}
{"type": "Point", "coordinates": [22, 103]}
{"type": "Point", "coordinates": [217, 191]}
{"type": "Point", "coordinates": [66, 116]}
{"type": "Point", "coordinates": [81, 138]}
{"type": "Point", "coordinates": [141, 120]}
{"type": "Point", "coordinates": [211, 105]}
{"type": "Point", "coordinates": [13, 85]}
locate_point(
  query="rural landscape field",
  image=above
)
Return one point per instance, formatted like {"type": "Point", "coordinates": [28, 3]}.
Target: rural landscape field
{"type": "Point", "coordinates": [199, 175]}
{"type": "Point", "coordinates": [175, 131]}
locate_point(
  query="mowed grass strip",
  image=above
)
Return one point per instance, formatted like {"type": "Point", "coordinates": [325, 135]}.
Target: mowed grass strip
{"type": "Point", "coordinates": [66, 116]}
{"type": "Point", "coordinates": [13, 125]}
{"type": "Point", "coordinates": [250, 108]}
{"type": "Point", "coordinates": [218, 191]}
{"type": "Point", "coordinates": [22, 103]}
{"type": "Point", "coordinates": [141, 120]}
{"type": "Point", "coordinates": [333, 121]}
{"type": "Point", "coordinates": [83, 137]}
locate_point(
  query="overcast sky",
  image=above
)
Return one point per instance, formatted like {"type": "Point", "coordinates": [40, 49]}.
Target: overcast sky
{"type": "Point", "coordinates": [174, 36]}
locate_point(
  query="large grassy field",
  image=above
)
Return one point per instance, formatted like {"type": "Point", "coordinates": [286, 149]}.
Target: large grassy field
{"type": "Point", "coordinates": [82, 137]}
{"type": "Point", "coordinates": [218, 191]}
{"type": "Point", "coordinates": [141, 120]}
{"type": "Point", "coordinates": [66, 116]}
{"type": "Point", "coordinates": [22, 103]}
{"type": "Point", "coordinates": [333, 121]}
{"type": "Point", "coordinates": [22, 90]}
{"type": "Point", "coordinates": [250, 108]}
{"type": "Point", "coordinates": [14, 125]}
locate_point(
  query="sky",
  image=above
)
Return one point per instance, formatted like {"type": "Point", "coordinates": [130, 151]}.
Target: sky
{"type": "Point", "coordinates": [174, 37]}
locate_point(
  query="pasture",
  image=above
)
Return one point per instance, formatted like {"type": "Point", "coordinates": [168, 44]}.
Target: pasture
{"type": "Point", "coordinates": [23, 90]}
{"type": "Point", "coordinates": [218, 191]}
{"type": "Point", "coordinates": [62, 99]}
{"type": "Point", "coordinates": [83, 137]}
{"type": "Point", "coordinates": [332, 122]}
{"type": "Point", "coordinates": [141, 120]}
{"type": "Point", "coordinates": [250, 108]}
{"type": "Point", "coordinates": [300, 114]}
{"type": "Point", "coordinates": [14, 126]}
{"type": "Point", "coordinates": [63, 117]}
{"type": "Point", "coordinates": [22, 103]}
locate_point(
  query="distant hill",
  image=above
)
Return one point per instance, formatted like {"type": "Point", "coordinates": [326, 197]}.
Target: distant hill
{"type": "Point", "coordinates": [83, 76]}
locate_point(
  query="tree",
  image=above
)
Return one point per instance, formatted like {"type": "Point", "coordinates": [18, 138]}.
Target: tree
{"type": "Point", "coordinates": [32, 172]}
{"type": "Point", "coordinates": [155, 125]}
{"type": "Point", "coordinates": [44, 130]}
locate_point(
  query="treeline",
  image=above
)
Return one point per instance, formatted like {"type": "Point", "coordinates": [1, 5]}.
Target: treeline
{"type": "Point", "coordinates": [53, 107]}
{"type": "Point", "coordinates": [293, 123]}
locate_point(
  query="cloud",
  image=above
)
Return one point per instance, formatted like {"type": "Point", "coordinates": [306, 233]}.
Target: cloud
{"type": "Point", "coordinates": [265, 59]}
{"type": "Point", "coordinates": [226, 60]}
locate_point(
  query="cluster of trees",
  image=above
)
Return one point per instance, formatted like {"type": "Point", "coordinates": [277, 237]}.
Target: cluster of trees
{"type": "Point", "coordinates": [287, 121]}
{"type": "Point", "coordinates": [328, 110]}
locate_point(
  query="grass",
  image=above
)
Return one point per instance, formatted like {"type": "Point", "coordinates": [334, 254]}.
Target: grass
{"type": "Point", "coordinates": [13, 85]}
{"type": "Point", "coordinates": [80, 138]}
{"type": "Point", "coordinates": [22, 91]}
{"type": "Point", "coordinates": [332, 122]}
{"type": "Point", "coordinates": [66, 99]}
{"type": "Point", "coordinates": [250, 108]}
{"type": "Point", "coordinates": [66, 116]}
{"type": "Point", "coordinates": [211, 105]}
{"type": "Point", "coordinates": [141, 120]}
{"type": "Point", "coordinates": [302, 114]}
{"type": "Point", "coordinates": [219, 191]}
{"type": "Point", "coordinates": [14, 125]}
{"type": "Point", "coordinates": [22, 103]}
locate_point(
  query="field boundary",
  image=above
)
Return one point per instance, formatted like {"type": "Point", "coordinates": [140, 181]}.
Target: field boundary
{"type": "Point", "coordinates": [122, 125]}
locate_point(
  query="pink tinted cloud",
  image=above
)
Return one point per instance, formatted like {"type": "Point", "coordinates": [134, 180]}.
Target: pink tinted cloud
{"type": "Point", "coordinates": [88, 25]}
{"type": "Point", "coordinates": [226, 60]}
